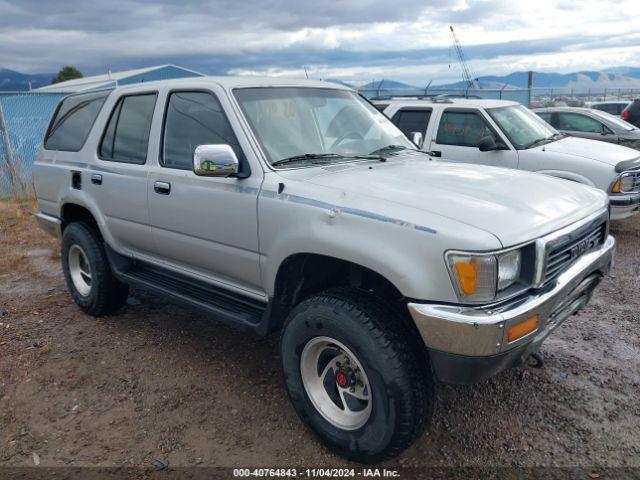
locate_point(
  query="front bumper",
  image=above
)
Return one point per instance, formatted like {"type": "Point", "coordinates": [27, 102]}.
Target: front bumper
{"type": "Point", "coordinates": [623, 206]}
{"type": "Point", "coordinates": [469, 344]}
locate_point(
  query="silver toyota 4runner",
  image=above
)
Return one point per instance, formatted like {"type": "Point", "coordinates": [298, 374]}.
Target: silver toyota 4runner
{"type": "Point", "coordinates": [296, 206]}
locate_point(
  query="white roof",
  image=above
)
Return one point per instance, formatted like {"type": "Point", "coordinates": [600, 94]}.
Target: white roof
{"type": "Point", "coordinates": [229, 82]}
{"type": "Point", "coordinates": [103, 80]}
{"type": "Point", "coordinates": [460, 102]}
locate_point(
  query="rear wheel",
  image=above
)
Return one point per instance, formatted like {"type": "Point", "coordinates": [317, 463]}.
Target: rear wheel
{"type": "Point", "coordinates": [356, 375]}
{"type": "Point", "coordinates": [87, 272]}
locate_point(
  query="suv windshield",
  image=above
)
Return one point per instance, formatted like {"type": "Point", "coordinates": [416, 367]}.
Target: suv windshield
{"type": "Point", "coordinates": [523, 127]}
{"type": "Point", "coordinates": [309, 125]}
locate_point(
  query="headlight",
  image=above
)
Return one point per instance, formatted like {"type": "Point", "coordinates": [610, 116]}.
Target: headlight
{"type": "Point", "coordinates": [508, 269]}
{"type": "Point", "coordinates": [479, 277]}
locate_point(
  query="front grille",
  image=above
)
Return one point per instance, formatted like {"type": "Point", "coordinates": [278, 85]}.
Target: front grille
{"type": "Point", "coordinates": [635, 174]}
{"type": "Point", "coordinates": [562, 256]}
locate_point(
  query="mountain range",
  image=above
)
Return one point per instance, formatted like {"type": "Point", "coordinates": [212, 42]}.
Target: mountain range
{"type": "Point", "coordinates": [10, 80]}
{"type": "Point", "coordinates": [618, 77]}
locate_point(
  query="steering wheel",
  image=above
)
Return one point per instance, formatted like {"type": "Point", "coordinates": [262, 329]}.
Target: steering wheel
{"type": "Point", "coordinates": [343, 137]}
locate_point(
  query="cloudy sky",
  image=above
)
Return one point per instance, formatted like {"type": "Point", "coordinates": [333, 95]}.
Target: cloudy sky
{"type": "Point", "coordinates": [354, 40]}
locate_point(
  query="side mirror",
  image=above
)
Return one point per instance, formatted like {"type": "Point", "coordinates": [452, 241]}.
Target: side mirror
{"type": "Point", "coordinates": [416, 138]}
{"type": "Point", "coordinates": [487, 144]}
{"type": "Point", "coordinates": [215, 161]}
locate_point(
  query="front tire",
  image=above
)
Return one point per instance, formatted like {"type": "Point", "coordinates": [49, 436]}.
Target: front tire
{"type": "Point", "coordinates": [87, 272]}
{"type": "Point", "coordinates": [356, 374]}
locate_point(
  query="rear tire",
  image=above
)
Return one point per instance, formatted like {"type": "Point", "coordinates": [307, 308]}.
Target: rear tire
{"type": "Point", "coordinates": [349, 333]}
{"type": "Point", "coordinates": [87, 271]}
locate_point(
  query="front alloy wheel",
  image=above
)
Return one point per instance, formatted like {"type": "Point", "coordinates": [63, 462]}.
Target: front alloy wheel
{"type": "Point", "coordinates": [356, 373]}
{"type": "Point", "coordinates": [336, 383]}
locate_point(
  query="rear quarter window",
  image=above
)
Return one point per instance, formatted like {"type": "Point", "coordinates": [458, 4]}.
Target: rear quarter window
{"type": "Point", "coordinates": [73, 121]}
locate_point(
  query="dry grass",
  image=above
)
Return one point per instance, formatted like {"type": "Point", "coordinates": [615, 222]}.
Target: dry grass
{"type": "Point", "coordinates": [19, 232]}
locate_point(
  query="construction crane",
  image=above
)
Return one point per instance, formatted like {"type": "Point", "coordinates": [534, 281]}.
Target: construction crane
{"type": "Point", "coordinates": [466, 72]}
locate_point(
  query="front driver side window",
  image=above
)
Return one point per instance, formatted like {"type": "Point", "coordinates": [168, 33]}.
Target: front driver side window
{"type": "Point", "coordinates": [192, 119]}
{"type": "Point", "coordinates": [465, 129]}
{"type": "Point", "coordinates": [578, 123]}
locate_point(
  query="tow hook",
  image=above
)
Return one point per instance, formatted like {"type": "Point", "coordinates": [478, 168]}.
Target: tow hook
{"type": "Point", "coordinates": [535, 361]}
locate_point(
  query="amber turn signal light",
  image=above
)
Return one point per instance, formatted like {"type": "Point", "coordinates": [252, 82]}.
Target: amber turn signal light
{"type": "Point", "coordinates": [616, 187]}
{"type": "Point", "coordinates": [468, 276]}
{"type": "Point", "coordinates": [523, 328]}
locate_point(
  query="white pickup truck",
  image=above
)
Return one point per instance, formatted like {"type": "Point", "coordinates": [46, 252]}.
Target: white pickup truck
{"type": "Point", "coordinates": [501, 133]}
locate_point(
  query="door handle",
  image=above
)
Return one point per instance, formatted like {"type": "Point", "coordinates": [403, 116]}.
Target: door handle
{"type": "Point", "coordinates": [163, 188]}
{"type": "Point", "coordinates": [435, 153]}
{"type": "Point", "coordinates": [96, 179]}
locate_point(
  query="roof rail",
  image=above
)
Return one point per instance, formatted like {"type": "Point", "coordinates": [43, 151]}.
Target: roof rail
{"type": "Point", "coordinates": [430, 98]}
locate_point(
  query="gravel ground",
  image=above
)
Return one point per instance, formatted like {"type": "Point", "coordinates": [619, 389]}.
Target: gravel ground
{"type": "Point", "coordinates": [161, 382]}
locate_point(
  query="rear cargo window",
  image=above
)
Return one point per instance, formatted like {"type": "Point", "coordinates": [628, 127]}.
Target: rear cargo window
{"type": "Point", "coordinates": [73, 120]}
{"type": "Point", "coordinates": [126, 138]}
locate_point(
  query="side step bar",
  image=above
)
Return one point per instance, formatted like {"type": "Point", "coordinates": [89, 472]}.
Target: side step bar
{"type": "Point", "coordinates": [229, 307]}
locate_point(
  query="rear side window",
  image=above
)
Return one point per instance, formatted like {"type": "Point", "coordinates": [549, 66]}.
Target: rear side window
{"type": "Point", "coordinates": [464, 129]}
{"type": "Point", "coordinates": [126, 138]}
{"type": "Point", "coordinates": [192, 119]}
{"type": "Point", "coordinates": [578, 123]}
{"type": "Point", "coordinates": [73, 120]}
{"type": "Point", "coordinates": [409, 121]}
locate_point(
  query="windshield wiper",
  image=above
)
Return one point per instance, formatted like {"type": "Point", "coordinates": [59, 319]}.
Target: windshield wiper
{"type": "Point", "coordinates": [392, 148]}
{"type": "Point", "coordinates": [539, 141]}
{"type": "Point", "coordinates": [305, 157]}
{"type": "Point", "coordinates": [323, 158]}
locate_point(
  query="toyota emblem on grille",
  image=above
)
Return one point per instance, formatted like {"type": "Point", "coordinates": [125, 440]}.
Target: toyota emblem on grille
{"type": "Point", "coordinates": [581, 247]}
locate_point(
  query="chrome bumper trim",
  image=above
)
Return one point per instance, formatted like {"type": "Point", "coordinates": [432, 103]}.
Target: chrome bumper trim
{"type": "Point", "coordinates": [50, 224]}
{"type": "Point", "coordinates": [482, 331]}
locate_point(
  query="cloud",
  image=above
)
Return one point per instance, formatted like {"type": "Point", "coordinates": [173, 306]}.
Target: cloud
{"type": "Point", "coordinates": [403, 39]}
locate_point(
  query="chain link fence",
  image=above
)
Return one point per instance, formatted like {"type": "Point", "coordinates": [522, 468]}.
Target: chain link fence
{"type": "Point", "coordinates": [534, 97]}
{"type": "Point", "coordinates": [571, 96]}
{"type": "Point", "coordinates": [24, 117]}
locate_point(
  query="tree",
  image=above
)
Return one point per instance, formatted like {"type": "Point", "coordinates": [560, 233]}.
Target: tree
{"type": "Point", "coordinates": [67, 73]}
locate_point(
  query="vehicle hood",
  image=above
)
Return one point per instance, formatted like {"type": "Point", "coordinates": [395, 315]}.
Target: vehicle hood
{"type": "Point", "coordinates": [514, 206]}
{"type": "Point", "coordinates": [604, 152]}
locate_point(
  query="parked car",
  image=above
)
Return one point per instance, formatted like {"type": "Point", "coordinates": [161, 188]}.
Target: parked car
{"type": "Point", "coordinates": [631, 114]}
{"type": "Point", "coordinates": [506, 134]}
{"type": "Point", "coordinates": [296, 206]}
{"type": "Point", "coordinates": [591, 123]}
{"type": "Point", "coordinates": [613, 107]}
